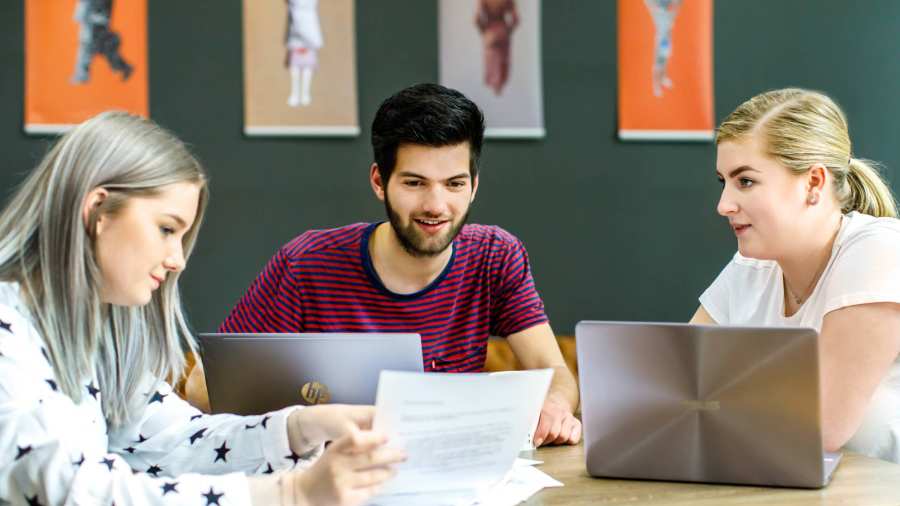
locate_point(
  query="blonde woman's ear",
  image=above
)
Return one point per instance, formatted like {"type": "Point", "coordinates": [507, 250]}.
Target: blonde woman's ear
{"type": "Point", "coordinates": [817, 177]}
{"type": "Point", "coordinates": [93, 200]}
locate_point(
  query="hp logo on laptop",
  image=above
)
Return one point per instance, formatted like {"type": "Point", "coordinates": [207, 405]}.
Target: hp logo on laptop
{"type": "Point", "coordinates": [314, 392]}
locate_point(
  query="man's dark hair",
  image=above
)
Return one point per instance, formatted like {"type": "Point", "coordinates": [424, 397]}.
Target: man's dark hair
{"type": "Point", "coordinates": [430, 115]}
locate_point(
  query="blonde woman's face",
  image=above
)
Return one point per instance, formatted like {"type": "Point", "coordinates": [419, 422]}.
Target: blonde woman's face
{"type": "Point", "coordinates": [761, 199]}
{"type": "Point", "coordinates": [140, 245]}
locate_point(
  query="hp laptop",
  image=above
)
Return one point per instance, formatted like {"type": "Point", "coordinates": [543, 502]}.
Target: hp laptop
{"type": "Point", "coordinates": [702, 403]}
{"type": "Point", "coordinates": [255, 373]}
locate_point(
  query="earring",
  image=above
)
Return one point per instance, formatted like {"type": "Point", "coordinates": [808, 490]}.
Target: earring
{"type": "Point", "coordinates": [812, 199]}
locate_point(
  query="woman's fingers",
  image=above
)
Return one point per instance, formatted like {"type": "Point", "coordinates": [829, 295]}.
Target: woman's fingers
{"type": "Point", "coordinates": [380, 457]}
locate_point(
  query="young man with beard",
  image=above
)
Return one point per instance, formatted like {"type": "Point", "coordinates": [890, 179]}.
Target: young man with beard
{"type": "Point", "coordinates": [424, 270]}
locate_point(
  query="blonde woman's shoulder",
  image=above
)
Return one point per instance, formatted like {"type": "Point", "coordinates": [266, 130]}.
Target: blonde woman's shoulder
{"type": "Point", "coordinates": [871, 229]}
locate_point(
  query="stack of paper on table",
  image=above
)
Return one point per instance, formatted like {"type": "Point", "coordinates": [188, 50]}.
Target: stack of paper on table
{"type": "Point", "coordinates": [462, 434]}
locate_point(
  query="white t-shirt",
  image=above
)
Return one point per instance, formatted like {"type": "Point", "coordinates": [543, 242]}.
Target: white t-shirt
{"type": "Point", "coordinates": [864, 268]}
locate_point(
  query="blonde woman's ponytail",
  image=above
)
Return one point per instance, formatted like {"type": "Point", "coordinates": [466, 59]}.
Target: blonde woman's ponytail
{"type": "Point", "coordinates": [868, 193]}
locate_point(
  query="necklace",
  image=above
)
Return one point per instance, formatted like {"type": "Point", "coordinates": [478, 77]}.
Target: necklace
{"type": "Point", "coordinates": [800, 298]}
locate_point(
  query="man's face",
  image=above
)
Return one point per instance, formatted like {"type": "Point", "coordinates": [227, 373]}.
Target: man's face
{"type": "Point", "coordinates": [428, 195]}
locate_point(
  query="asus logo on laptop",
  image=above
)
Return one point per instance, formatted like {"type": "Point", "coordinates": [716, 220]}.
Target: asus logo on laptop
{"type": "Point", "coordinates": [701, 405]}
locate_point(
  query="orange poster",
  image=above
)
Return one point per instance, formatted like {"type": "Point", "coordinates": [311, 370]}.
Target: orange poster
{"type": "Point", "coordinates": [665, 70]}
{"type": "Point", "coordinates": [83, 57]}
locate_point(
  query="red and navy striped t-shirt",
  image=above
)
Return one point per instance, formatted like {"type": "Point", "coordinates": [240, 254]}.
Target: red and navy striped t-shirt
{"type": "Point", "coordinates": [324, 281]}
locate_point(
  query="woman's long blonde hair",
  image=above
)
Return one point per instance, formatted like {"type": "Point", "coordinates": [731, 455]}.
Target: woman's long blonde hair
{"type": "Point", "coordinates": [46, 248]}
{"type": "Point", "coordinates": [800, 128]}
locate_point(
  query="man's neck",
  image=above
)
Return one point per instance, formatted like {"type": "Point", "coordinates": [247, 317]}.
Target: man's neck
{"type": "Point", "coordinates": [400, 271]}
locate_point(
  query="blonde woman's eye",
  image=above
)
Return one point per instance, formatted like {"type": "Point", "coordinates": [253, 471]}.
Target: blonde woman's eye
{"type": "Point", "coordinates": [745, 182]}
{"type": "Point", "coordinates": [167, 230]}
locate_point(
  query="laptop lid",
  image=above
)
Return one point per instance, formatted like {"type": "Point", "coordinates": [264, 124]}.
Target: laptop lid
{"type": "Point", "coordinates": [256, 373]}
{"type": "Point", "coordinates": [702, 403]}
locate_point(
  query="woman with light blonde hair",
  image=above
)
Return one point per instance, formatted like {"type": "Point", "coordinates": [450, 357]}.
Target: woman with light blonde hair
{"type": "Point", "coordinates": [91, 326]}
{"type": "Point", "coordinates": [818, 246]}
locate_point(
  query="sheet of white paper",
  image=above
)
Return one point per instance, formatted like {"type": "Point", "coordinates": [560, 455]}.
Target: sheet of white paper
{"type": "Point", "coordinates": [518, 486]}
{"type": "Point", "coordinates": [462, 432]}
{"type": "Point", "coordinates": [523, 482]}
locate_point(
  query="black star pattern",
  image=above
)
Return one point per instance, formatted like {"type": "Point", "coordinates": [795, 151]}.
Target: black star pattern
{"type": "Point", "coordinates": [108, 463]}
{"type": "Point", "coordinates": [221, 452]}
{"type": "Point", "coordinates": [22, 451]}
{"type": "Point", "coordinates": [293, 456]}
{"type": "Point", "coordinates": [157, 397]}
{"type": "Point", "coordinates": [6, 326]}
{"type": "Point", "coordinates": [197, 435]}
{"type": "Point", "coordinates": [33, 501]}
{"type": "Point", "coordinates": [196, 417]}
{"type": "Point", "coordinates": [141, 438]}
{"type": "Point", "coordinates": [45, 354]}
{"type": "Point", "coordinates": [154, 470]}
{"type": "Point", "coordinates": [169, 487]}
{"type": "Point", "coordinates": [79, 461]}
{"type": "Point", "coordinates": [265, 420]}
{"type": "Point", "coordinates": [93, 390]}
{"type": "Point", "coordinates": [52, 384]}
{"type": "Point", "coordinates": [130, 449]}
{"type": "Point", "coordinates": [248, 427]}
{"type": "Point", "coordinates": [269, 469]}
{"type": "Point", "coordinates": [212, 497]}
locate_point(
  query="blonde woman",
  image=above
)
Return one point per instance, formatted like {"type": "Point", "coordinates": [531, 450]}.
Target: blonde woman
{"type": "Point", "coordinates": [91, 248]}
{"type": "Point", "coordinates": [819, 246]}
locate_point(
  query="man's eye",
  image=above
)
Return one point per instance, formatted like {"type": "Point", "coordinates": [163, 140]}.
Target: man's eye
{"type": "Point", "coordinates": [413, 183]}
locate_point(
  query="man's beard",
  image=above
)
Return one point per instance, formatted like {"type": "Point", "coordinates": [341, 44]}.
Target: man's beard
{"type": "Point", "coordinates": [411, 238]}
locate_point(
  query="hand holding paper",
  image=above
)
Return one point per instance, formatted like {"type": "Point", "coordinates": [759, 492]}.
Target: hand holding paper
{"type": "Point", "coordinates": [461, 432]}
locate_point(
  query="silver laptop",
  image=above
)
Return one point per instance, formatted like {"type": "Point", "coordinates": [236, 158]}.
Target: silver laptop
{"type": "Point", "coordinates": [250, 374]}
{"type": "Point", "coordinates": [702, 403]}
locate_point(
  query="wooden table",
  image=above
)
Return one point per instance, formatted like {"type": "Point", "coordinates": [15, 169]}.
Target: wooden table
{"type": "Point", "coordinates": [858, 480]}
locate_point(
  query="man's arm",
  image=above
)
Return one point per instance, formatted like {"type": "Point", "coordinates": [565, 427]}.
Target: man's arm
{"type": "Point", "coordinates": [536, 348]}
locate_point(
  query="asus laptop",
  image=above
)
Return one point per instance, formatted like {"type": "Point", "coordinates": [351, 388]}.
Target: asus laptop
{"type": "Point", "coordinates": [702, 403]}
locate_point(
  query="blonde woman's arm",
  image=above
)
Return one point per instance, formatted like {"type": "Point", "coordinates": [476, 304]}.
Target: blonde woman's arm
{"type": "Point", "coordinates": [702, 317]}
{"type": "Point", "coordinates": [857, 346]}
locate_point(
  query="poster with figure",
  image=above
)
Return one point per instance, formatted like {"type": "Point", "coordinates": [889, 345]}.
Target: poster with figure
{"type": "Point", "coordinates": [665, 70]}
{"type": "Point", "coordinates": [83, 57]}
{"type": "Point", "coordinates": [490, 50]}
{"type": "Point", "coordinates": [299, 68]}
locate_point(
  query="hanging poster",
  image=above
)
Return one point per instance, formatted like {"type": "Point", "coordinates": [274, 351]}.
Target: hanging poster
{"type": "Point", "coordinates": [665, 70]}
{"type": "Point", "coordinates": [83, 57]}
{"type": "Point", "coordinates": [300, 68]}
{"type": "Point", "coordinates": [490, 50]}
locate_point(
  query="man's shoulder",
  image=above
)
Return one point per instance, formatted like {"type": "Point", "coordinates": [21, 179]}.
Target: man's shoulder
{"type": "Point", "coordinates": [342, 239]}
{"type": "Point", "coordinates": [487, 235]}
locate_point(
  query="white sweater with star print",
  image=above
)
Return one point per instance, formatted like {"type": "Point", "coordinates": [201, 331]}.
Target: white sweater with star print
{"type": "Point", "coordinates": [56, 452]}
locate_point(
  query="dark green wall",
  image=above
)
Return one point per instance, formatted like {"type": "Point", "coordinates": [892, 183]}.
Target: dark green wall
{"type": "Point", "coordinates": [614, 231]}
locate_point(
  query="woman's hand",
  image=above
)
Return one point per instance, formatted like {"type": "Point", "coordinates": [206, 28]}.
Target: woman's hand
{"type": "Point", "coordinates": [351, 471]}
{"type": "Point", "coordinates": [311, 426]}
